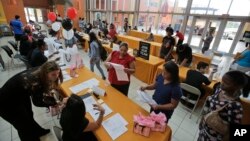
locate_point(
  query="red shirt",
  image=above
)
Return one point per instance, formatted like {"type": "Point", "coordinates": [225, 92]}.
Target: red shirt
{"type": "Point", "coordinates": [112, 33]}
{"type": "Point", "coordinates": [180, 36]}
{"type": "Point", "coordinates": [125, 61]}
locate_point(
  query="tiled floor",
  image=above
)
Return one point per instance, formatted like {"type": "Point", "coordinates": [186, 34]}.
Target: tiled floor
{"type": "Point", "coordinates": [183, 127]}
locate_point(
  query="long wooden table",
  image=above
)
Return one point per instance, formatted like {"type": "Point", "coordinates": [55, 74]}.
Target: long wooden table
{"type": "Point", "coordinates": [145, 69]}
{"type": "Point", "coordinates": [119, 104]}
{"type": "Point", "coordinates": [144, 35]}
{"type": "Point", "coordinates": [134, 42]}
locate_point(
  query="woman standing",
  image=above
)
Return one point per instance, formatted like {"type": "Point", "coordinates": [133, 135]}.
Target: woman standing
{"type": "Point", "coordinates": [15, 104]}
{"type": "Point", "coordinates": [76, 127]}
{"type": "Point", "coordinates": [123, 58]}
{"type": "Point", "coordinates": [94, 54]}
{"type": "Point", "coordinates": [227, 100]}
{"type": "Point", "coordinates": [167, 90]}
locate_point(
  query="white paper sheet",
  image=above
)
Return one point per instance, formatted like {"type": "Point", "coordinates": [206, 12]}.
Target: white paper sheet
{"type": "Point", "coordinates": [99, 91]}
{"type": "Point", "coordinates": [120, 73]}
{"type": "Point", "coordinates": [87, 84]}
{"type": "Point", "coordinates": [116, 47]}
{"type": "Point", "coordinates": [95, 114]}
{"type": "Point", "coordinates": [146, 98]}
{"type": "Point", "coordinates": [66, 77]}
{"type": "Point", "coordinates": [77, 88]}
{"type": "Point", "coordinates": [114, 126]}
{"type": "Point", "coordinates": [64, 67]}
{"type": "Point", "coordinates": [64, 72]}
{"type": "Point", "coordinates": [89, 101]}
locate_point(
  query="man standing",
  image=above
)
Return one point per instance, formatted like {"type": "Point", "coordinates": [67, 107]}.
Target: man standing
{"type": "Point", "coordinates": [167, 46]}
{"type": "Point", "coordinates": [16, 26]}
{"type": "Point", "coordinates": [207, 41]}
{"type": "Point", "coordinates": [180, 36]}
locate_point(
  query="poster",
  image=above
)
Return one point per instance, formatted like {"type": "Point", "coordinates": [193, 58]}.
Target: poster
{"type": "Point", "coordinates": [144, 50]}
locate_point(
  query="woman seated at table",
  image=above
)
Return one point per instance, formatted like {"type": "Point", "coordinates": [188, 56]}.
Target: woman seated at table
{"type": "Point", "coordinates": [167, 90]}
{"type": "Point", "coordinates": [75, 126]}
{"type": "Point", "coordinates": [242, 61]}
{"type": "Point", "coordinates": [123, 58]}
{"type": "Point", "coordinates": [226, 99]}
{"type": "Point", "coordinates": [150, 37]}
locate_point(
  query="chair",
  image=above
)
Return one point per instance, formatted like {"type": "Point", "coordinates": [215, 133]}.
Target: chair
{"type": "Point", "coordinates": [204, 109]}
{"type": "Point", "coordinates": [191, 91]}
{"type": "Point", "coordinates": [13, 44]}
{"type": "Point", "coordinates": [25, 61]}
{"type": "Point", "coordinates": [10, 54]}
{"type": "Point", "coordinates": [57, 132]}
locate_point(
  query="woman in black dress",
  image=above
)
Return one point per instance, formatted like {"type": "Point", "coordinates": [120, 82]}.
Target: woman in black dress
{"type": "Point", "coordinates": [15, 104]}
{"type": "Point", "coordinates": [76, 127]}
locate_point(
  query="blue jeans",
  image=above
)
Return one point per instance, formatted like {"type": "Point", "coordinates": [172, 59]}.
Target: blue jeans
{"type": "Point", "coordinates": [96, 61]}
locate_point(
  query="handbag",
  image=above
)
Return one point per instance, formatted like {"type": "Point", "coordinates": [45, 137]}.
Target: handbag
{"type": "Point", "coordinates": [214, 121]}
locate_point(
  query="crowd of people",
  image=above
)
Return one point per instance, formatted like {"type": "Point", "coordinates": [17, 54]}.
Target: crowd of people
{"type": "Point", "coordinates": [46, 75]}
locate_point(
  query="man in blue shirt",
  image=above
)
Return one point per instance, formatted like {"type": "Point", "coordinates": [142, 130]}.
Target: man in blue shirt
{"type": "Point", "coordinates": [16, 26]}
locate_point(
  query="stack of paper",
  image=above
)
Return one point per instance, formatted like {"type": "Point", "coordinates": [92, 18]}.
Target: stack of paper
{"type": "Point", "coordinates": [99, 91]}
{"type": "Point", "coordinates": [87, 84]}
{"type": "Point", "coordinates": [120, 73]}
{"type": "Point", "coordinates": [144, 97]}
{"type": "Point", "coordinates": [95, 113]}
{"type": "Point", "coordinates": [115, 126]}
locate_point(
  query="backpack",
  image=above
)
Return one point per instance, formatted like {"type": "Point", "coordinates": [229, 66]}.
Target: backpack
{"type": "Point", "coordinates": [103, 52]}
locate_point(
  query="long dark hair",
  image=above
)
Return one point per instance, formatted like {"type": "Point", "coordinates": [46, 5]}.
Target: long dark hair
{"type": "Point", "coordinates": [43, 71]}
{"type": "Point", "coordinates": [241, 80]}
{"type": "Point", "coordinates": [173, 69]}
{"type": "Point", "coordinates": [74, 110]}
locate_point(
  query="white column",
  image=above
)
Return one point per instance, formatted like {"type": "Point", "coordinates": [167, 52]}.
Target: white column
{"type": "Point", "coordinates": [191, 30]}
{"type": "Point", "coordinates": [237, 37]}
{"type": "Point", "coordinates": [219, 34]}
{"type": "Point", "coordinates": [185, 20]}
{"type": "Point", "coordinates": [204, 33]}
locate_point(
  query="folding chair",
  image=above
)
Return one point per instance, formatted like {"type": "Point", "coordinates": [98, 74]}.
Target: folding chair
{"type": "Point", "coordinates": [191, 92]}
{"type": "Point", "coordinates": [57, 132]}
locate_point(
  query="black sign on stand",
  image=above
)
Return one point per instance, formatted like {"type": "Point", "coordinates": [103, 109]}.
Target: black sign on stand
{"type": "Point", "coordinates": [144, 50]}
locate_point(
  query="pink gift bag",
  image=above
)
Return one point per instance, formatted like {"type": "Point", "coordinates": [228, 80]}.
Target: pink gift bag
{"type": "Point", "coordinates": [143, 125]}
{"type": "Point", "coordinates": [160, 122]}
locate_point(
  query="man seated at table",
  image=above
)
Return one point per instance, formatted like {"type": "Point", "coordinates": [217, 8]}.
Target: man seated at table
{"type": "Point", "coordinates": [196, 78]}
{"type": "Point", "coordinates": [184, 55]}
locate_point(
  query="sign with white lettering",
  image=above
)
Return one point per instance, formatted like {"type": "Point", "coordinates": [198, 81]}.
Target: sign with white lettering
{"type": "Point", "coordinates": [144, 50]}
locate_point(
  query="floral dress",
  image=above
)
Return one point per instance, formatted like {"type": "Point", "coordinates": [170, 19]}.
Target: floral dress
{"type": "Point", "coordinates": [232, 113]}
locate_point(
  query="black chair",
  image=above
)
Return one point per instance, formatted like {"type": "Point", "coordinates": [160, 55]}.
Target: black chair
{"type": "Point", "coordinates": [13, 44]}
{"type": "Point", "coordinates": [7, 50]}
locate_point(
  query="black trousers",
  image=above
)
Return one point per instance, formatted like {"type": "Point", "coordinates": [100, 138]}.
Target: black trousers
{"type": "Point", "coordinates": [21, 117]}
{"type": "Point", "coordinates": [122, 88]}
